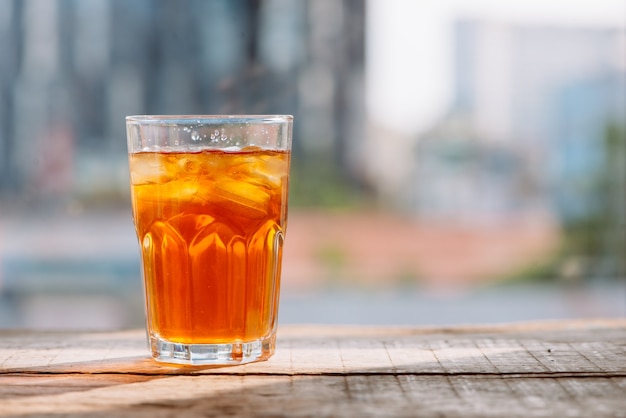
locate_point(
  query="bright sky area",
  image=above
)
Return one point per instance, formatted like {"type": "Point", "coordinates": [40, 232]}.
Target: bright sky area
{"type": "Point", "coordinates": [409, 55]}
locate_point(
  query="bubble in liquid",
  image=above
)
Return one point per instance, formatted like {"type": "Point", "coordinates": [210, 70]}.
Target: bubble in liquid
{"type": "Point", "coordinates": [214, 136]}
{"type": "Point", "coordinates": [195, 136]}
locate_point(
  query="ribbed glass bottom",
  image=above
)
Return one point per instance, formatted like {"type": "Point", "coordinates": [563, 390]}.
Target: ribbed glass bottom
{"type": "Point", "coordinates": [212, 354]}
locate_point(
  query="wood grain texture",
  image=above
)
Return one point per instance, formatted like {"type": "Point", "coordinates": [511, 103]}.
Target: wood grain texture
{"type": "Point", "coordinates": [569, 369]}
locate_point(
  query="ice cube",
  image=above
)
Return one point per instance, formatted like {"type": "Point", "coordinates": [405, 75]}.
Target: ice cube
{"type": "Point", "coordinates": [148, 169]}
{"type": "Point", "coordinates": [181, 190]}
{"type": "Point", "coordinates": [270, 173]}
{"type": "Point", "coordinates": [173, 191]}
{"type": "Point", "coordinates": [188, 165]}
{"type": "Point", "coordinates": [242, 198]}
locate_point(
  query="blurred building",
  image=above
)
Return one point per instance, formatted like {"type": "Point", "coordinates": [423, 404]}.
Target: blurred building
{"type": "Point", "coordinates": [527, 127]}
{"type": "Point", "coordinates": [465, 178]}
{"type": "Point", "coordinates": [72, 69]}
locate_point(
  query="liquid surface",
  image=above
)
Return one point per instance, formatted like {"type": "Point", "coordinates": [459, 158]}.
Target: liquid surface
{"type": "Point", "coordinates": [210, 225]}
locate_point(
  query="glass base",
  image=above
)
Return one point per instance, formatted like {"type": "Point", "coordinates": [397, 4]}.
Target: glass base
{"type": "Point", "coordinates": [212, 354]}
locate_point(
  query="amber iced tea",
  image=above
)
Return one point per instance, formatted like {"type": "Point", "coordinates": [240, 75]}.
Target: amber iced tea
{"type": "Point", "coordinates": [211, 228]}
{"type": "Point", "coordinates": [209, 204]}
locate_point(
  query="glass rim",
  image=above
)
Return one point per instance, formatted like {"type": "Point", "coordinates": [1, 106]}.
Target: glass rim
{"type": "Point", "coordinates": [234, 118]}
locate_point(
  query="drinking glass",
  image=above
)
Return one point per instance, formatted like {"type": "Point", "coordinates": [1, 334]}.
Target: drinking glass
{"type": "Point", "coordinates": [209, 203]}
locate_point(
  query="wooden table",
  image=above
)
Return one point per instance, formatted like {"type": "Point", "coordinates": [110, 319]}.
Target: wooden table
{"type": "Point", "coordinates": [553, 369]}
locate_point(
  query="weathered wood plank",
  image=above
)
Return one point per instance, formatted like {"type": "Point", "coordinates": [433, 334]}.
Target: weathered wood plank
{"type": "Point", "coordinates": [327, 396]}
{"type": "Point", "coordinates": [573, 369]}
{"type": "Point", "coordinates": [24, 385]}
{"type": "Point", "coordinates": [595, 348]}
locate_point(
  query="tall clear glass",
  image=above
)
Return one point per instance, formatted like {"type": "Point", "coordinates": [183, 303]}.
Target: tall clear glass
{"type": "Point", "coordinates": [209, 201]}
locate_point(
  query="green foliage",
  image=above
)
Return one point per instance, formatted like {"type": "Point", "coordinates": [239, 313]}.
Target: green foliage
{"type": "Point", "coordinates": [594, 246]}
{"type": "Point", "coordinates": [600, 239]}
{"type": "Point", "coordinates": [331, 256]}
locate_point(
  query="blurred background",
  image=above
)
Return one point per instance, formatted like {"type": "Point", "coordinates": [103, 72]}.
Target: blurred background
{"type": "Point", "coordinates": [454, 161]}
